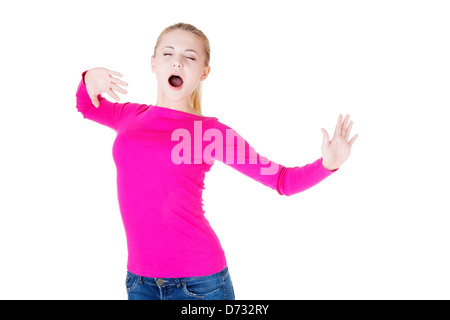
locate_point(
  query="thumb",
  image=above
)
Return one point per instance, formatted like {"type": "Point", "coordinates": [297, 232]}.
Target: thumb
{"type": "Point", "coordinates": [95, 101]}
{"type": "Point", "coordinates": [326, 138]}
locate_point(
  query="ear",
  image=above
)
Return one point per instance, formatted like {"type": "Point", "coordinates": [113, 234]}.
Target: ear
{"type": "Point", "coordinates": [153, 64]}
{"type": "Point", "coordinates": [205, 73]}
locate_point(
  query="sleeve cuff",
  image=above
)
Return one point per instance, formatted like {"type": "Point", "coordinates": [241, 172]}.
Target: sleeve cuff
{"type": "Point", "coordinates": [83, 74]}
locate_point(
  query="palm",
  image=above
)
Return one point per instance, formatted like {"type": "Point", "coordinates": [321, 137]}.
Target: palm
{"type": "Point", "coordinates": [100, 80]}
{"type": "Point", "coordinates": [337, 151]}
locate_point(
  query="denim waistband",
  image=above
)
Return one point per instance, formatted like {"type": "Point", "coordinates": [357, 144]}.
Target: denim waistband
{"type": "Point", "coordinates": [162, 282]}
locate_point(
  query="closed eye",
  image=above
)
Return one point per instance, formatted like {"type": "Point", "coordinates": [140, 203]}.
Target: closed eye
{"type": "Point", "coordinates": [169, 54]}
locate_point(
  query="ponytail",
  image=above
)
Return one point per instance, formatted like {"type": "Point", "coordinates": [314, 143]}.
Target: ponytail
{"type": "Point", "coordinates": [196, 98]}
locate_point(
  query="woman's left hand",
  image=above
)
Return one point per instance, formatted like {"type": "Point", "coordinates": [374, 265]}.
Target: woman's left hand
{"type": "Point", "coordinates": [336, 151]}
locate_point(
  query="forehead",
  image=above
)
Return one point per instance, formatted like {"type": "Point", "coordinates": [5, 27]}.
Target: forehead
{"type": "Point", "coordinates": [181, 39]}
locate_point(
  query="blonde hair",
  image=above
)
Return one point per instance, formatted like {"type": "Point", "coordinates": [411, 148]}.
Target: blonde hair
{"type": "Point", "coordinates": [196, 95]}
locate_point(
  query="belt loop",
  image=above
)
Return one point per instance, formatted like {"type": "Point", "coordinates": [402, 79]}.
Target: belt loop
{"type": "Point", "coordinates": [141, 279]}
{"type": "Point", "coordinates": [178, 282]}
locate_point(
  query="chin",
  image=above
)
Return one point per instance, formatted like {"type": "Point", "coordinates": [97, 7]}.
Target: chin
{"type": "Point", "coordinates": [183, 92]}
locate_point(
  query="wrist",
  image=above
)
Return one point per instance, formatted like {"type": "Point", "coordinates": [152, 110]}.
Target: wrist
{"type": "Point", "coordinates": [329, 166]}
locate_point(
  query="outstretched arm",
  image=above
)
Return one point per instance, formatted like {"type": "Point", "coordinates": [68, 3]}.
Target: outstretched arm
{"type": "Point", "coordinates": [238, 154]}
{"type": "Point", "coordinates": [96, 108]}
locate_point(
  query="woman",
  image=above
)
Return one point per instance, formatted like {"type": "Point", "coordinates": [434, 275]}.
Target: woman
{"type": "Point", "coordinates": [162, 153]}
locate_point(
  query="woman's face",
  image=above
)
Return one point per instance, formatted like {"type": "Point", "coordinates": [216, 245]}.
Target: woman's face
{"type": "Point", "coordinates": [181, 53]}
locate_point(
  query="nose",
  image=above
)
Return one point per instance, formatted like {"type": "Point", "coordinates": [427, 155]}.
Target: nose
{"type": "Point", "coordinates": [176, 65]}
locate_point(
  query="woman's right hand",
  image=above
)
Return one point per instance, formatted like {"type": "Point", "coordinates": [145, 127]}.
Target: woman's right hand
{"type": "Point", "coordinates": [100, 80]}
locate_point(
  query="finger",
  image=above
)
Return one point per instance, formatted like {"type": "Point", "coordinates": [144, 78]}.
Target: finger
{"type": "Point", "coordinates": [112, 94]}
{"type": "Point", "coordinates": [348, 130]}
{"type": "Point", "coordinates": [115, 73]}
{"type": "Point", "coordinates": [353, 140]}
{"type": "Point", "coordinates": [338, 130]}
{"type": "Point", "coordinates": [118, 81]}
{"type": "Point", "coordinates": [344, 126]}
{"type": "Point", "coordinates": [117, 88]}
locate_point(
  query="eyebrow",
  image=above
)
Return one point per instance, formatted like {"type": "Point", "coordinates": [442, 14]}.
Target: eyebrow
{"type": "Point", "coordinates": [184, 50]}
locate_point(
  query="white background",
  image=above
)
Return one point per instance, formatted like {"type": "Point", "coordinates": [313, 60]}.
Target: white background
{"type": "Point", "coordinates": [280, 71]}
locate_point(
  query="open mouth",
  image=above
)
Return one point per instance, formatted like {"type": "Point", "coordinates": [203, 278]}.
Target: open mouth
{"type": "Point", "coordinates": [175, 81]}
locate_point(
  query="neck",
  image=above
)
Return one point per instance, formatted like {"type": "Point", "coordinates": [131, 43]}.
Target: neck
{"type": "Point", "coordinates": [180, 105]}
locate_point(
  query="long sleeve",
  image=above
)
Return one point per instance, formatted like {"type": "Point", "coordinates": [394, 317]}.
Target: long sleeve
{"type": "Point", "coordinates": [240, 155]}
{"type": "Point", "coordinates": [297, 179]}
{"type": "Point", "coordinates": [108, 113]}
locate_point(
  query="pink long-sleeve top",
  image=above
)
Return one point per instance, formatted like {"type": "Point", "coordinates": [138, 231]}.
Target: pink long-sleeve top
{"type": "Point", "coordinates": [161, 157]}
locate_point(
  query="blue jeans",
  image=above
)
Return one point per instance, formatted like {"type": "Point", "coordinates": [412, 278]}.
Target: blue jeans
{"type": "Point", "coordinates": [217, 286]}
